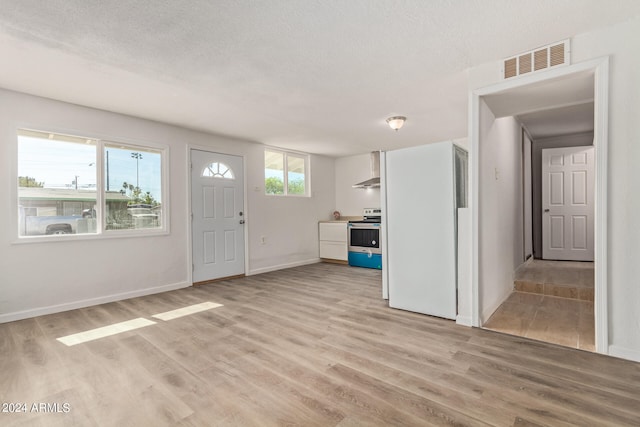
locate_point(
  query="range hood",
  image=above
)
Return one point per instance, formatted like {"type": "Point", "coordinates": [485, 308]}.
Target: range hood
{"type": "Point", "coordinates": [374, 181]}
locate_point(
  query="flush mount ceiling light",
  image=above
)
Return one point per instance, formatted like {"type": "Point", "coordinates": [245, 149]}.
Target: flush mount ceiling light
{"type": "Point", "coordinates": [396, 122]}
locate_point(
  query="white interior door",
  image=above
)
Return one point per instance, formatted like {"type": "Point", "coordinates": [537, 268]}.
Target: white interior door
{"type": "Point", "coordinates": [217, 203]}
{"type": "Point", "coordinates": [568, 203]}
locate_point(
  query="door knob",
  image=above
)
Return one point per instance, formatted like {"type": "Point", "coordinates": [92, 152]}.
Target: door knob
{"type": "Point", "coordinates": [546, 210]}
{"type": "Point", "coordinates": [242, 221]}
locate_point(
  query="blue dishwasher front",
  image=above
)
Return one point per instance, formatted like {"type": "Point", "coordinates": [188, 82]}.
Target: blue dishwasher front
{"type": "Point", "coordinates": [367, 260]}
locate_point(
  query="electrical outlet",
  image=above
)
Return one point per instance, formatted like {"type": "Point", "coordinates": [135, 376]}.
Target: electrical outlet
{"type": "Point", "coordinates": [263, 240]}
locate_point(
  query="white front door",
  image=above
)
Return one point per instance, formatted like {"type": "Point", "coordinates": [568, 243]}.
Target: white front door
{"type": "Point", "coordinates": [568, 203]}
{"type": "Point", "coordinates": [217, 203]}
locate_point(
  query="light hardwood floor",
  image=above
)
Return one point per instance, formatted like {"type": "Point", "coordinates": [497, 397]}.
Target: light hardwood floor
{"type": "Point", "coordinates": [309, 346]}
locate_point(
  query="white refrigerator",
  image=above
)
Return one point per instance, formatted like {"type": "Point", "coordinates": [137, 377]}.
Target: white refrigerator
{"type": "Point", "coordinates": [423, 186]}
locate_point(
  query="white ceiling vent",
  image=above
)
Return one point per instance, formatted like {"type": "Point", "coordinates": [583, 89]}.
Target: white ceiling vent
{"type": "Point", "coordinates": [539, 59]}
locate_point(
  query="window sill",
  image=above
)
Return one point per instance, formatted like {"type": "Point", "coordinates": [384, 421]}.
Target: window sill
{"type": "Point", "coordinates": [112, 234]}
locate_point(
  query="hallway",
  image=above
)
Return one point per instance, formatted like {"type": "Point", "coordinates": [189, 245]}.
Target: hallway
{"type": "Point", "coordinates": [552, 302]}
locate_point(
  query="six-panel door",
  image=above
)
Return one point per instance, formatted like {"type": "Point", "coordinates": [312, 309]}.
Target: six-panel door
{"type": "Point", "coordinates": [217, 204]}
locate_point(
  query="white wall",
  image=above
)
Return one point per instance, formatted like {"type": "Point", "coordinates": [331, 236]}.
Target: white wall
{"type": "Point", "coordinates": [351, 170]}
{"type": "Point", "coordinates": [500, 214]}
{"type": "Point", "coordinates": [289, 224]}
{"type": "Point", "coordinates": [45, 277]}
{"type": "Point", "coordinates": [622, 43]}
{"type": "Point", "coordinates": [465, 310]}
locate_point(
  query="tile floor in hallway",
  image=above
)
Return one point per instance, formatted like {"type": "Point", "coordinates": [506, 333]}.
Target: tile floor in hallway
{"type": "Point", "coordinates": [564, 321]}
{"type": "Point", "coordinates": [567, 279]}
{"type": "Point", "coordinates": [552, 302]}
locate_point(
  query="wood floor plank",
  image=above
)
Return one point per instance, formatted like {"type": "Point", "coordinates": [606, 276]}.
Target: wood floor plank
{"type": "Point", "coordinates": [581, 402]}
{"type": "Point", "coordinates": [448, 395]}
{"type": "Point", "coordinates": [614, 375]}
{"type": "Point", "coordinates": [308, 346]}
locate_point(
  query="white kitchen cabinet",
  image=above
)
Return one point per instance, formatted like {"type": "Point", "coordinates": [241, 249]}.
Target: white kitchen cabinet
{"type": "Point", "coordinates": [333, 241]}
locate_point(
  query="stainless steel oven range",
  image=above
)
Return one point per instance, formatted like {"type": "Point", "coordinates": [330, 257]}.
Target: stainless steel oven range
{"type": "Point", "coordinates": [364, 239]}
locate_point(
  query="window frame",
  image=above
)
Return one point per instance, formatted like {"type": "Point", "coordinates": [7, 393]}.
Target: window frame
{"type": "Point", "coordinates": [285, 155]}
{"type": "Point", "coordinates": [101, 142]}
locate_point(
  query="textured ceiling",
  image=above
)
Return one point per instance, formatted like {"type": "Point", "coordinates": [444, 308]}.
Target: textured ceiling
{"type": "Point", "coordinates": [314, 75]}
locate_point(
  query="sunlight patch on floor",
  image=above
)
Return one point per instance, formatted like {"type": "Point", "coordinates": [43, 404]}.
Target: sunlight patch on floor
{"type": "Point", "coordinates": [185, 311]}
{"type": "Point", "coordinates": [129, 325]}
{"type": "Point", "coordinates": [105, 331]}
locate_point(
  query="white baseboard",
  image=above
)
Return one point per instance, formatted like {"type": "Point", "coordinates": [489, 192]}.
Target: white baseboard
{"type": "Point", "coordinates": [464, 320]}
{"type": "Point", "coordinates": [41, 311]}
{"type": "Point", "coordinates": [624, 353]}
{"type": "Point", "coordinates": [283, 266]}
{"type": "Point", "coordinates": [486, 313]}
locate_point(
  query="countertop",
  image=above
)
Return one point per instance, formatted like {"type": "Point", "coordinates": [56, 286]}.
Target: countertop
{"type": "Point", "coordinates": [343, 219]}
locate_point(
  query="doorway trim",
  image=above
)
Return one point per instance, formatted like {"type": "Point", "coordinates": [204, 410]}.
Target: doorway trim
{"type": "Point", "coordinates": [600, 68]}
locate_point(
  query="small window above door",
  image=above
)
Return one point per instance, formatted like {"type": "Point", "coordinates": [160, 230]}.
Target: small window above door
{"type": "Point", "coordinates": [218, 170]}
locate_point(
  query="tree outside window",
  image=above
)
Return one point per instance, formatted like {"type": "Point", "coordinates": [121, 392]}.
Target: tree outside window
{"type": "Point", "coordinates": [285, 173]}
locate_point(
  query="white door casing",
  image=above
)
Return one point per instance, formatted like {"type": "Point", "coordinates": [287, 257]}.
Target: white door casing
{"type": "Point", "coordinates": [568, 203]}
{"type": "Point", "coordinates": [600, 69]}
{"type": "Point", "coordinates": [527, 194]}
{"type": "Point", "coordinates": [217, 203]}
